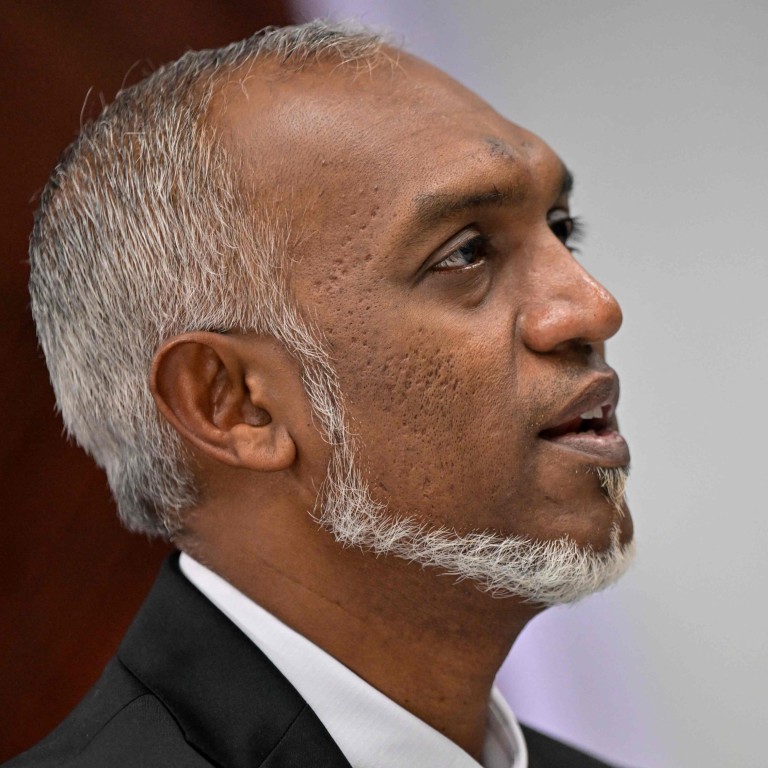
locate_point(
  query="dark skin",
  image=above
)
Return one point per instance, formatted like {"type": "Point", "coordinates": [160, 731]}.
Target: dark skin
{"type": "Point", "coordinates": [431, 255]}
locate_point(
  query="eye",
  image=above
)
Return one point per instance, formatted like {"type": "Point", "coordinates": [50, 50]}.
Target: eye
{"type": "Point", "coordinates": [566, 228]}
{"type": "Point", "coordinates": [463, 252]}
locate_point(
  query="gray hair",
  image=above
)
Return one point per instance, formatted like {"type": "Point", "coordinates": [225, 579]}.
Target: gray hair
{"type": "Point", "coordinates": [143, 232]}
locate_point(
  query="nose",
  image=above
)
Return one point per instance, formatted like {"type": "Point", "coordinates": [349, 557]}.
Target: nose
{"type": "Point", "coordinates": [566, 306]}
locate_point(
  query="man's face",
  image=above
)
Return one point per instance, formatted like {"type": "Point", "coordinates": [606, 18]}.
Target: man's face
{"type": "Point", "coordinates": [432, 253]}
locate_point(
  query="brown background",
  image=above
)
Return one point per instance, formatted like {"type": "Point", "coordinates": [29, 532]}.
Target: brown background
{"type": "Point", "coordinates": [71, 578]}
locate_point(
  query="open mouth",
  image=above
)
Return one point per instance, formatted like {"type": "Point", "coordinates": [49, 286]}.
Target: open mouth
{"type": "Point", "coordinates": [592, 434]}
{"type": "Point", "coordinates": [596, 422]}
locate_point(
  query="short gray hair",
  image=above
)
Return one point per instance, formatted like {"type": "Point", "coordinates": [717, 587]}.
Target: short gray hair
{"type": "Point", "coordinates": [143, 233]}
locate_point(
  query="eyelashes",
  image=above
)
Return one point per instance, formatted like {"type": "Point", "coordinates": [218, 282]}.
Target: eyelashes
{"type": "Point", "coordinates": [568, 229]}
{"type": "Point", "coordinates": [465, 255]}
{"type": "Point", "coordinates": [578, 233]}
{"type": "Point", "coordinates": [472, 248]}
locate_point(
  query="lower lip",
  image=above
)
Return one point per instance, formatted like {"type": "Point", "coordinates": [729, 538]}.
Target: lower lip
{"type": "Point", "coordinates": [606, 448]}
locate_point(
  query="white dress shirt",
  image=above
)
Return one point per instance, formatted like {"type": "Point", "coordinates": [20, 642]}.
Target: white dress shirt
{"type": "Point", "coordinates": [370, 729]}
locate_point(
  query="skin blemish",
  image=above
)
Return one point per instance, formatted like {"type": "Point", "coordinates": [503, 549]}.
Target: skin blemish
{"type": "Point", "coordinates": [499, 148]}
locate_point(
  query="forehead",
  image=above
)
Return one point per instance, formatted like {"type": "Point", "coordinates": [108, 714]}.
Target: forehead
{"type": "Point", "coordinates": [399, 127]}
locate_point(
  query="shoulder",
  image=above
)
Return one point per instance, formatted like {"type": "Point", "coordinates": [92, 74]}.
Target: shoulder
{"type": "Point", "coordinates": [546, 752]}
{"type": "Point", "coordinates": [119, 724]}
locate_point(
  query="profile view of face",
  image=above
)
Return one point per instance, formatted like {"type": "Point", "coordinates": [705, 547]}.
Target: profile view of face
{"type": "Point", "coordinates": [315, 308]}
{"type": "Point", "coordinates": [434, 256]}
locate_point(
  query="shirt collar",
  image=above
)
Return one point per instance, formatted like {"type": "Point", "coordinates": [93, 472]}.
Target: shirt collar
{"type": "Point", "coordinates": [370, 729]}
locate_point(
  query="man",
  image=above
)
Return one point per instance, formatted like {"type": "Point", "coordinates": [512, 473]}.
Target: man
{"type": "Point", "coordinates": [313, 307]}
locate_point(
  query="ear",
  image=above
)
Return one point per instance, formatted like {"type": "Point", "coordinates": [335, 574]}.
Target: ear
{"type": "Point", "coordinates": [228, 396]}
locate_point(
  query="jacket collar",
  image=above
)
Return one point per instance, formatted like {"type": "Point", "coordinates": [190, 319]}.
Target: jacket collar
{"type": "Point", "coordinates": [232, 704]}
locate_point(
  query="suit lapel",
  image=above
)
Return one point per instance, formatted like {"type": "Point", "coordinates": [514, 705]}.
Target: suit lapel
{"type": "Point", "coordinates": [231, 702]}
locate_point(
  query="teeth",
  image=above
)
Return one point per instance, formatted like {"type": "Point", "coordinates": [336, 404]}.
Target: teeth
{"type": "Point", "coordinates": [595, 413]}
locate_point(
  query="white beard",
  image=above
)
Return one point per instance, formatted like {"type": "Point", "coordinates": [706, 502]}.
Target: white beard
{"type": "Point", "coordinates": [542, 572]}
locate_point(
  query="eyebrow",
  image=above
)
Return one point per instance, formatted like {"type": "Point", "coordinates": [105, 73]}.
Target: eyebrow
{"type": "Point", "coordinates": [435, 207]}
{"type": "Point", "coordinates": [567, 186]}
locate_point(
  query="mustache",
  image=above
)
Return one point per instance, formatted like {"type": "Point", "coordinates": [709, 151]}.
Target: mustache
{"type": "Point", "coordinates": [548, 399]}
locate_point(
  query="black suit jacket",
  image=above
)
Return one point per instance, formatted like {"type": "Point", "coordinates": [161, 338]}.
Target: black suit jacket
{"type": "Point", "coordinates": [188, 689]}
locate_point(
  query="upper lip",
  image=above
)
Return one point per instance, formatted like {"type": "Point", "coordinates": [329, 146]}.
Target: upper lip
{"type": "Point", "coordinates": [601, 392]}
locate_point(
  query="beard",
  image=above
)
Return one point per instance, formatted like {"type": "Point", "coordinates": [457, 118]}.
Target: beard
{"type": "Point", "coordinates": [541, 572]}
{"type": "Point", "coordinates": [546, 572]}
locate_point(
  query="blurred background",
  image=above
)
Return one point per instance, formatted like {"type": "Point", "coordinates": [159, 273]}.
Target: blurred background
{"type": "Point", "coordinates": [660, 110]}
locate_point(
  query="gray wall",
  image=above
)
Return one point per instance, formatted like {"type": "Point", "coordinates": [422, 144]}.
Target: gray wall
{"type": "Point", "coordinates": [661, 111]}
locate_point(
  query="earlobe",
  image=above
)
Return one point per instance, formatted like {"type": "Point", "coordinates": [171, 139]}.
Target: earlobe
{"type": "Point", "coordinates": [217, 391]}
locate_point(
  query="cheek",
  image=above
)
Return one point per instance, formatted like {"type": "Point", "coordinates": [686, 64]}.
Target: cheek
{"type": "Point", "coordinates": [428, 421]}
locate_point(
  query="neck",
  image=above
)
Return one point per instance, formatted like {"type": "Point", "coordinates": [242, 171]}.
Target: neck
{"type": "Point", "coordinates": [430, 644]}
